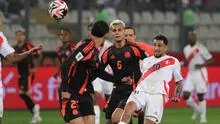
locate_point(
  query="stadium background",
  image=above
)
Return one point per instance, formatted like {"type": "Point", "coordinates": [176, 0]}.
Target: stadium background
{"type": "Point", "coordinates": [149, 17]}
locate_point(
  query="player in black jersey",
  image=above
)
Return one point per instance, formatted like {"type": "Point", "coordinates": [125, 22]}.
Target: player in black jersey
{"type": "Point", "coordinates": [123, 57]}
{"type": "Point", "coordinates": [79, 70]}
{"type": "Point", "coordinates": [26, 69]}
{"type": "Point", "coordinates": [63, 53]}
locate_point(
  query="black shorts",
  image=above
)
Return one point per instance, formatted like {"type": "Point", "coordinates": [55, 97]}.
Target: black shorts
{"type": "Point", "coordinates": [117, 100]}
{"type": "Point", "coordinates": [62, 106]}
{"type": "Point", "coordinates": [24, 82]}
{"type": "Point", "coordinates": [78, 106]}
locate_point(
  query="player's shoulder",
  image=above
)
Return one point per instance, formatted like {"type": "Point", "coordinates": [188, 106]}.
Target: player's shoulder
{"type": "Point", "coordinates": [172, 58]}
{"type": "Point", "coordinates": [201, 46]}
{"type": "Point", "coordinates": [132, 44]}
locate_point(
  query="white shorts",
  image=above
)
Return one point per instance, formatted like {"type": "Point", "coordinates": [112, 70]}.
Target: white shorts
{"type": "Point", "coordinates": [152, 105]}
{"type": "Point", "coordinates": [196, 81]}
{"type": "Point", "coordinates": [102, 86]}
{"type": "Point", "coordinates": [1, 101]}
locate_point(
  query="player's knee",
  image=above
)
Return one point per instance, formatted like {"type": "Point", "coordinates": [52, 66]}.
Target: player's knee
{"type": "Point", "coordinates": [200, 97]}
{"type": "Point", "coordinates": [186, 95]}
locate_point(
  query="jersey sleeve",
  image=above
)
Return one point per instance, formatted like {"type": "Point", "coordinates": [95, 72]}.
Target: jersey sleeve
{"type": "Point", "coordinates": [5, 48]}
{"type": "Point", "coordinates": [205, 53]}
{"type": "Point", "coordinates": [104, 58]}
{"type": "Point", "coordinates": [78, 55]}
{"type": "Point", "coordinates": [177, 71]}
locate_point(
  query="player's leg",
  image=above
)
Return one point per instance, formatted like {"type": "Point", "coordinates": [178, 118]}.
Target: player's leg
{"type": "Point", "coordinates": [1, 103]}
{"type": "Point", "coordinates": [202, 106]}
{"type": "Point", "coordinates": [141, 118]}
{"type": "Point", "coordinates": [86, 108]}
{"type": "Point", "coordinates": [116, 115]}
{"type": "Point", "coordinates": [97, 88]}
{"type": "Point", "coordinates": [90, 119]}
{"type": "Point", "coordinates": [23, 93]}
{"type": "Point", "coordinates": [135, 102]}
{"type": "Point", "coordinates": [154, 108]}
{"type": "Point", "coordinates": [111, 106]}
{"type": "Point", "coordinates": [189, 87]}
{"type": "Point", "coordinates": [78, 120]}
{"type": "Point", "coordinates": [201, 90]}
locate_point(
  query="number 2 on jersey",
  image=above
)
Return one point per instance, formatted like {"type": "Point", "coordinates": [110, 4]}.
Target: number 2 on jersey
{"type": "Point", "coordinates": [119, 65]}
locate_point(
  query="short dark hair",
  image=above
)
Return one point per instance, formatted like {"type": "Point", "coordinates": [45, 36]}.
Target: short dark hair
{"type": "Point", "coordinates": [129, 27]}
{"type": "Point", "coordinates": [161, 37]}
{"type": "Point", "coordinates": [100, 28]}
{"type": "Point", "coordinates": [66, 29]}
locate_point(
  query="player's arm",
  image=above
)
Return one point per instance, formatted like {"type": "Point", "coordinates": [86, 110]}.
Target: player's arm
{"type": "Point", "coordinates": [177, 92]}
{"type": "Point", "coordinates": [207, 56]}
{"type": "Point", "coordinates": [14, 57]}
{"type": "Point", "coordinates": [178, 79]}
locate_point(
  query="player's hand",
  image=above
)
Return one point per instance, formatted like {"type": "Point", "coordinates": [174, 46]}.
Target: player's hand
{"type": "Point", "coordinates": [36, 49]}
{"type": "Point", "coordinates": [127, 80]}
{"type": "Point", "coordinates": [65, 95]}
{"type": "Point", "coordinates": [55, 75]}
{"type": "Point", "coordinates": [175, 99]}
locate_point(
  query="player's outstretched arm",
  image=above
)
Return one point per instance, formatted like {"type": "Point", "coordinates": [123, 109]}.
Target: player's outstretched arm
{"type": "Point", "coordinates": [177, 92]}
{"type": "Point", "coordinates": [14, 57]}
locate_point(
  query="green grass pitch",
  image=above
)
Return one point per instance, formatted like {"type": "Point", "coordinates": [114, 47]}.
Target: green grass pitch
{"type": "Point", "coordinates": [171, 116]}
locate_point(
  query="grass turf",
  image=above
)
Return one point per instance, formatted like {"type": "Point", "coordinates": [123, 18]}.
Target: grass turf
{"type": "Point", "coordinates": [171, 116]}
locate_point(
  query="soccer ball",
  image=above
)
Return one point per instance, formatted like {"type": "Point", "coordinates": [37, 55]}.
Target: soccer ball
{"type": "Point", "coordinates": [58, 9]}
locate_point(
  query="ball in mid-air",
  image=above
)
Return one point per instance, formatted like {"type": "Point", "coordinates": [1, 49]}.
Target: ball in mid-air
{"type": "Point", "coordinates": [58, 9]}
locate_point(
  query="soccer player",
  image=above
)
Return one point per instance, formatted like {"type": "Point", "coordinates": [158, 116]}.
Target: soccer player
{"type": "Point", "coordinates": [9, 53]}
{"type": "Point", "coordinates": [79, 70]}
{"type": "Point", "coordinates": [197, 57]}
{"type": "Point", "coordinates": [99, 84]}
{"type": "Point", "coordinates": [130, 35]}
{"type": "Point", "coordinates": [123, 57]}
{"type": "Point", "coordinates": [26, 70]}
{"type": "Point", "coordinates": [153, 88]}
{"type": "Point", "coordinates": [63, 53]}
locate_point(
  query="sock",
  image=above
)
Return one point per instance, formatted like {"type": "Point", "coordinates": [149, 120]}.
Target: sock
{"type": "Point", "coordinates": [202, 106]}
{"type": "Point", "coordinates": [141, 118]}
{"type": "Point", "coordinates": [29, 103]}
{"type": "Point", "coordinates": [97, 114]}
{"type": "Point", "coordinates": [191, 102]}
{"type": "Point", "coordinates": [122, 123]}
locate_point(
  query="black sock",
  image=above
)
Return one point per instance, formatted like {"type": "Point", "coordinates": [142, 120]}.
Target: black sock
{"type": "Point", "coordinates": [141, 118]}
{"type": "Point", "coordinates": [29, 103]}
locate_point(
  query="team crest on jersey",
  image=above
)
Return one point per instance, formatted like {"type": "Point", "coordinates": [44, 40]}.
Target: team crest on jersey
{"type": "Point", "coordinates": [127, 55]}
{"type": "Point", "coordinates": [112, 57]}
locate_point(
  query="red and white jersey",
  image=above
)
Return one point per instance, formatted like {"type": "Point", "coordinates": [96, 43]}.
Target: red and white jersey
{"type": "Point", "coordinates": [158, 72]}
{"type": "Point", "coordinates": [196, 54]}
{"type": "Point", "coordinates": [5, 49]}
{"type": "Point", "coordinates": [105, 46]}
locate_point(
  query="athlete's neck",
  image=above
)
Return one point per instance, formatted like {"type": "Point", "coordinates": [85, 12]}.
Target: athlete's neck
{"type": "Point", "coordinates": [98, 42]}
{"type": "Point", "coordinates": [158, 56]}
{"type": "Point", "coordinates": [192, 44]}
{"type": "Point", "coordinates": [120, 43]}
{"type": "Point", "coordinates": [21, 43]}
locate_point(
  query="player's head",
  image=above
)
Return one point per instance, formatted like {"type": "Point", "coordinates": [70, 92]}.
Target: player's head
{"type": "Point", "coordinates": [117, 28]}
{"type": "Point", "coordinates": [20, 35]}
{"type": "Point", "coordinates": [160, 43]}
{"type": "Point", "coordinates": [65, 35]}
{"type": "Point", "coordinates": [90, 29]}
{"type": "Point", "coordinates": [1, 18]}
{"type": "Point", "coordinates": [192, 37]}
{"type": "Point", "coordinates": [130, 34]}
{"type": "Point", "coordinates": [100, 30]}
